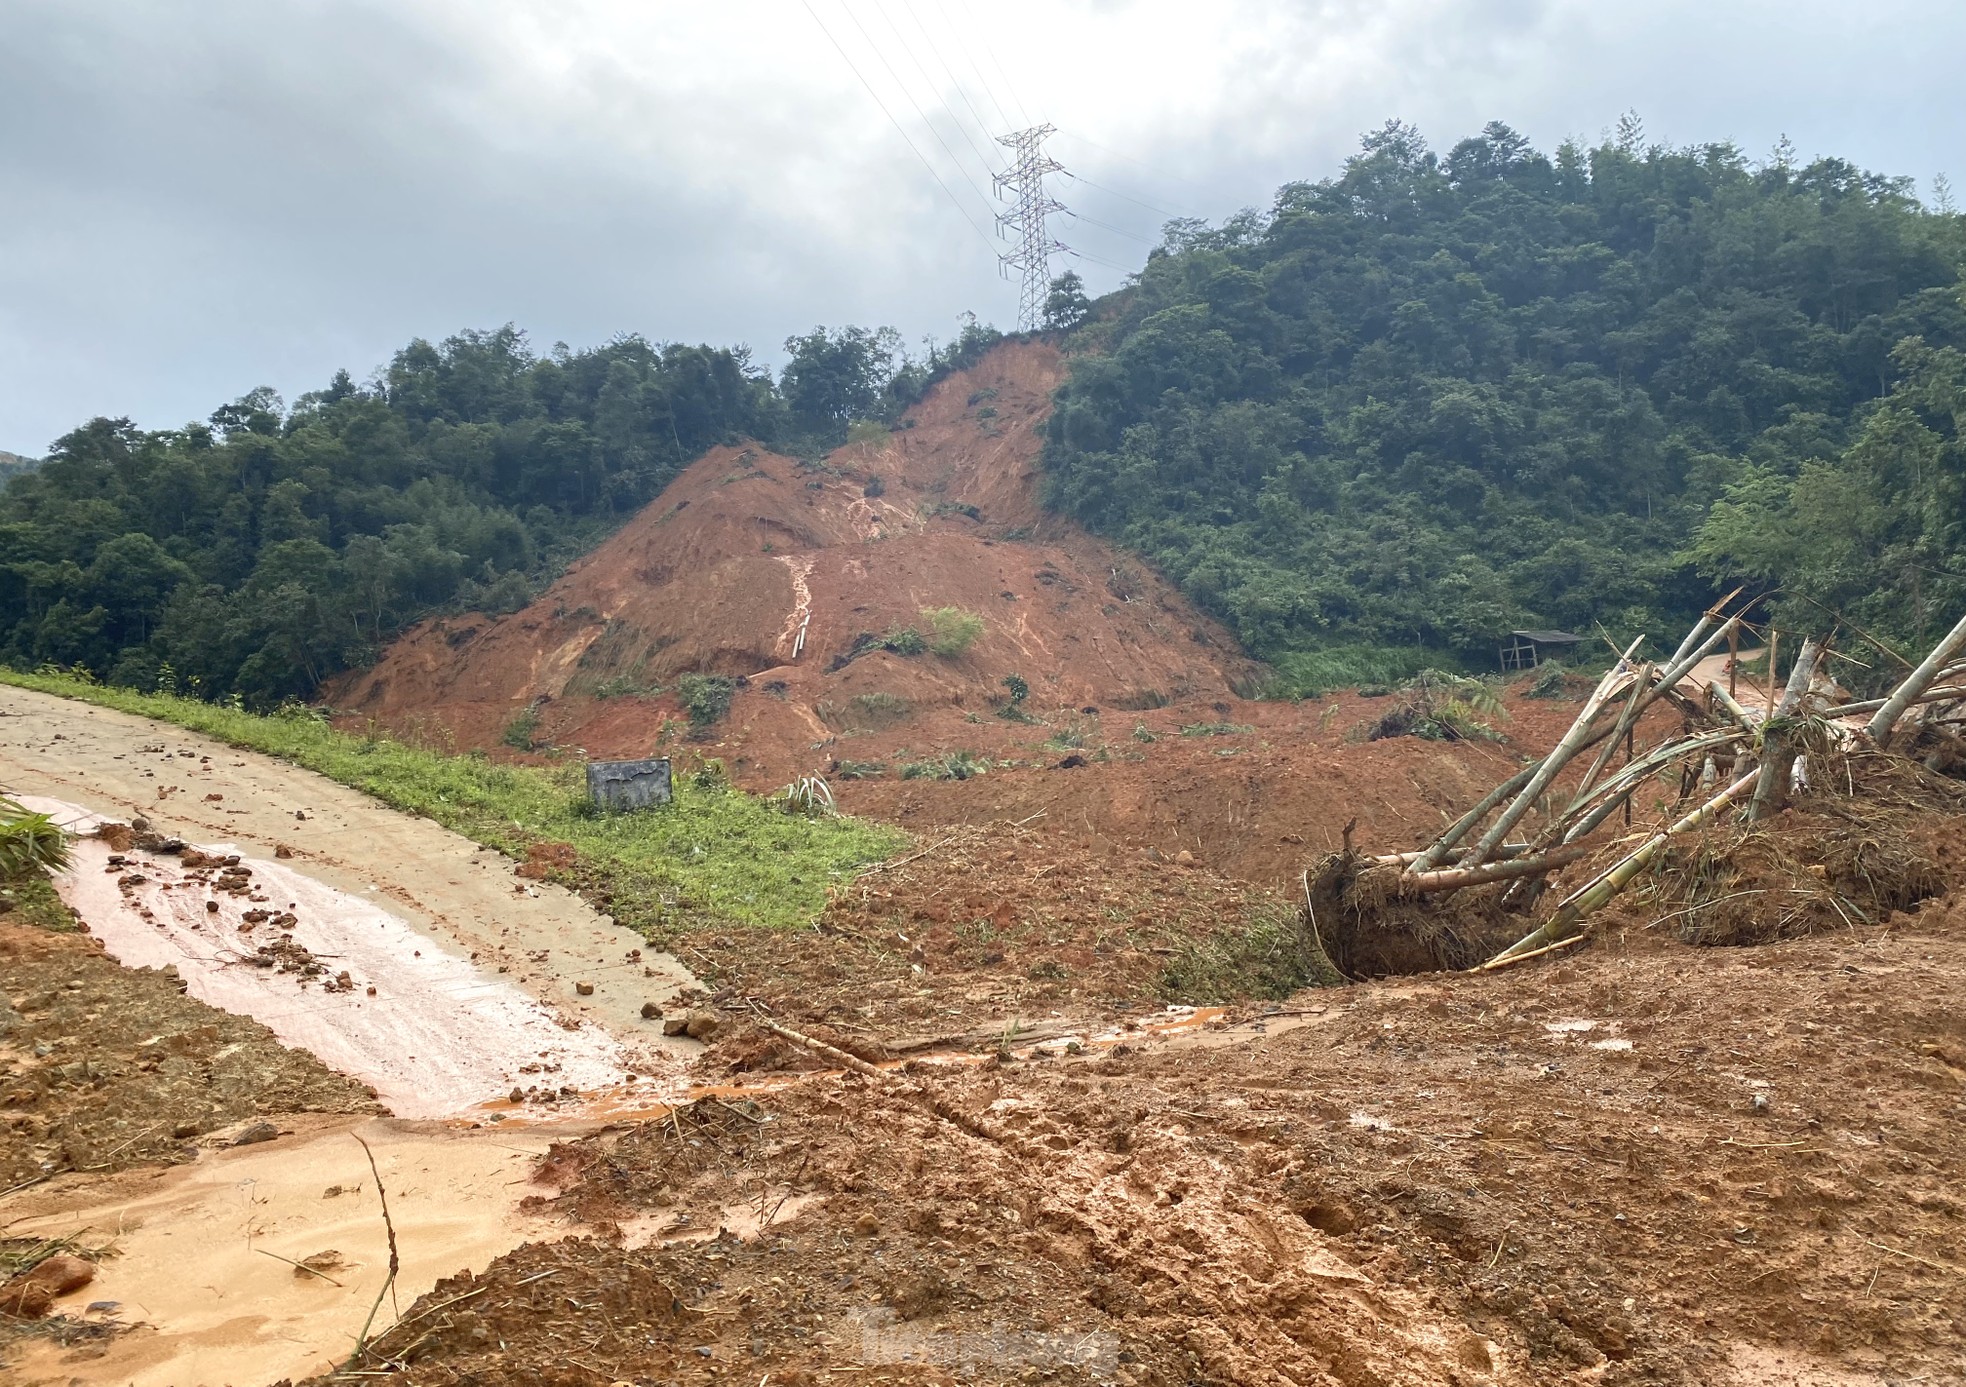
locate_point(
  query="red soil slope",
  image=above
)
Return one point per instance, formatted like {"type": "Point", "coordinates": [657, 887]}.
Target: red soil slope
{"type": "Point", "coordinates": [719, 573]}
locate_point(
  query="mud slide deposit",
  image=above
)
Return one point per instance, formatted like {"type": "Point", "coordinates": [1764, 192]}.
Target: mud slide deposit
{"type": "Point", "coordinates": [204, 1252]}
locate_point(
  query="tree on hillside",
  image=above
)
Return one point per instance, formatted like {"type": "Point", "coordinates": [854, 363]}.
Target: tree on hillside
{"type": "Point", "coordinates": [834, 377]}
{"type": "Point", "coordinates": [1066, 306]}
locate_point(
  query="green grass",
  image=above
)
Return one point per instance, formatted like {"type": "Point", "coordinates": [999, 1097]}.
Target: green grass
{"type": "Point", "coordinates": [1307, 673]}
{"type": "Point", "coordinates": [713, 855]}
{"type": "Point", "coordinates": [1268, 954]}
{"type": "Point", "coordinates": [34, 902]}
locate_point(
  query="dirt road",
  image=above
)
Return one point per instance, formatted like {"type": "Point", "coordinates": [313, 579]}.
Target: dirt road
{"type": "Point", "coordinates": [538, 936]}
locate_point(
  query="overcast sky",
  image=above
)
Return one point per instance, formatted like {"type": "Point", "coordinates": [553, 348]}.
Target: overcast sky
{"type": "Point", "coordinates": [204, 196]}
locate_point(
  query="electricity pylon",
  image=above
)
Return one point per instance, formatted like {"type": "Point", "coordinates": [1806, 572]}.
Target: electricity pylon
{"type": "Point", "coordinates": [1032, 256]}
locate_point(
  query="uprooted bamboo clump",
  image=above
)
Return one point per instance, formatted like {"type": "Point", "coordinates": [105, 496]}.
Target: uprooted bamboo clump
{"type": "Point", "coordinates": [1721, 864]}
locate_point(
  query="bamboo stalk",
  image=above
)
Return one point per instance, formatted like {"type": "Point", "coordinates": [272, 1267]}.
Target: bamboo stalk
{"type": "Point", "coordinates": [1454, 878]}
{"type": "Point", "coordinates": [1915, 684]}
{"type": "Point", "coordinates": [1728, 703]}
{"type": "Point", "coordinates": [1871, 705]}
{"type": "Point", "coordinates": [1774, 641]}
{"type": "Point", "coordinates": [1593, 896]}
{"type": "Point", "coordinates": [1640, 696]}
{"type": "Point", "coordinates": [1433, 853]}
{"type": "Point", "coordinates": [1407, 859]}
{"type": "Point", "coordinates": [1771, 791]}
{"type": "Point", "coordinates": [1573, 742]}
{"type": "Point", "coordinates": [1683, 660]}
{"type": "Point", "coordinates": [1626, 782]}
{"type": "Point", "coordinates": [1511, 962]}
{"type": "Point", "coordinates": [1628, 779]}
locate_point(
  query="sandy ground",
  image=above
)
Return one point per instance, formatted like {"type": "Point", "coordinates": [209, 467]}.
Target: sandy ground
{"type": "Point", "coordinates": [198, 1247]}
{"type": "Point", "coordinates": [438, 884]}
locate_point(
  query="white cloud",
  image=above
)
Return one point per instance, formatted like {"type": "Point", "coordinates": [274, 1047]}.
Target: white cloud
{"type": "Point", "coordinates": [207, 195]}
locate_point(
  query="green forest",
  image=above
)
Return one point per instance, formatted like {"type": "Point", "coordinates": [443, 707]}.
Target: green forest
{"type": "Point", "coordinates": [1405, 410]}
{"type": "Point", "coordinates": [269, 547]}
{"type": "Point", "coordinates": [1435, 398]}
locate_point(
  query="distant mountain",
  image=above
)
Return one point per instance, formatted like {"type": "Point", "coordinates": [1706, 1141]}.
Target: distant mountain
{"type": "Point", "coordinates": [13, 465]}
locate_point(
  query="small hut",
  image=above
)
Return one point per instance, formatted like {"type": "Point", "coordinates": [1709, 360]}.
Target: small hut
{"type": "Point", "coordinates": [1528, 649]}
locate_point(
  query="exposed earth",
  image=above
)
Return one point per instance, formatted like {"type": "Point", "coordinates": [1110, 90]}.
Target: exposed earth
{"type": "Point", "coordinates": [1028, 1102]}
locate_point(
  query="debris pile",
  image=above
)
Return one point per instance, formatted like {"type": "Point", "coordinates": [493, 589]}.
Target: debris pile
{"type": "Point", "coordinates": [1724, 862]}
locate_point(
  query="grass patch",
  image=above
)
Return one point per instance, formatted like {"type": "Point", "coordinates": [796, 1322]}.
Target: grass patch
{"type": "Point", "coordinates": [1308, 673]}
{"type": "Point", "coordinates": [705, 697]}
{"type": "Point", "coordinates": [1215, 729]}
{"type": "Point", "coordinates": [951, 630]}
{"type": "Point", "coordinates": [1271, 955]}
{"type": "Point", "coordinates": [32, 901]}
{"type": "Point", "coordinates": [956, 765]}
{"type": "Point", "coordinates": [714, 854]}
{"type": "Point", "coordinates": [519, 732]}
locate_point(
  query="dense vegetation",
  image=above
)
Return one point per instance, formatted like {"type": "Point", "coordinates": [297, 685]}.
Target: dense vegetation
{"type": "Point", "coordinates": [1432, 399]}
{"type": "Point", "coordinates": [268, 548]}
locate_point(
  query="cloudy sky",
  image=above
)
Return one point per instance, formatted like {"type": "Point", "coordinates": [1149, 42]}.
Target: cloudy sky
{"type": "Point", "coordinates": [201, 196]}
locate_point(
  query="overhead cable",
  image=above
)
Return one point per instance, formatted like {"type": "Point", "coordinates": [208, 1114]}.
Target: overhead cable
{"type": "Point", "coordinates": [1115, 192]}
{"type": "Point", "coordinates": [988, 205]}
{"type": "Point", "coordinates": [949, 72]}
{"type": "Point", "coordinates": [1108, 226]}
{"type": "Point", "coordinates": [982, 156]}
{"type": "Point", "coordinates": [976, 70]}
{"type": "Point", "coordinates": [983, 37]}
{"type": "Point", "coordinates": [981, 234]}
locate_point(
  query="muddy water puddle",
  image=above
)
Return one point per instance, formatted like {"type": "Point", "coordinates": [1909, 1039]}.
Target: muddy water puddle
{"type": "Point", "coordinates": [201, 1272]}
{"type": "Point", "coordinates": [201, 1275]}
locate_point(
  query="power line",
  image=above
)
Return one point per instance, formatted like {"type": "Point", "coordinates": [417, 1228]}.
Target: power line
{"type": "Point", "coordinates": [976, 70]}
{"type": "Point", "coordinates": [947, 71]}
{"type": "Point", "coordinates": [1108, 226]}
{"type": "Point", "coordinates": [1100, 260]}
{"type": "Point", "coordinates": [981, 234]}
{"type": "Point", "coordinates": [1154, 169]}
{"type": "Point", "coordinates": [1115, 192]}
{"type": "Point", "coordinates": [911, 100]}
{"type": "Point", "coordinates": [983, 37]}
{"type": "Point", "coordinates": [981, 157]}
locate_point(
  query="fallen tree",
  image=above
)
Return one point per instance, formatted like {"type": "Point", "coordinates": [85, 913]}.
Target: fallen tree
{"type": "Point", "coordinates": [1469, 897]}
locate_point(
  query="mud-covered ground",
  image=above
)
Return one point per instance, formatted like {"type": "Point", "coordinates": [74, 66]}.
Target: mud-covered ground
{"type": "Point", "coordinates": [104, 1067]}
{"type": "Point", "coordinates": [1644, 1161]}
{"type": "Point", "coordinates": [1647, 1164]}
{"type": "Point", "coordinates": [991, 929]}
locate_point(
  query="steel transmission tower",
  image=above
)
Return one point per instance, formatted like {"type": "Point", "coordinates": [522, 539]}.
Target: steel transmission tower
{"type": "Point", "coordinates": [1024, 181]}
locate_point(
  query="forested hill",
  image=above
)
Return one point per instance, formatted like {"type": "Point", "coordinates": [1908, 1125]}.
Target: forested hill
{"type": "Point", "coordinates": [1410, 408]}
{"type": "Point", "coordinates": [267, 548]}
{"type": "Point", "coordinates": [1434, 398]}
